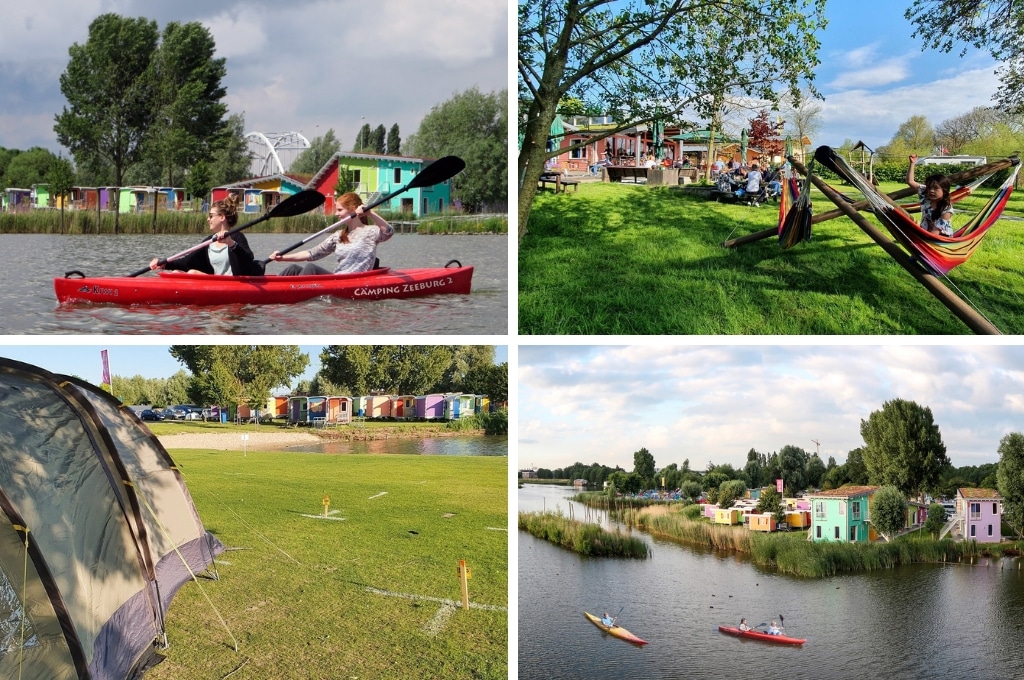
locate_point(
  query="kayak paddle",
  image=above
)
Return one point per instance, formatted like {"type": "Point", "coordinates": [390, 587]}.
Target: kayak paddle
{"type": "Point", "coordinates": [297, 204]}
{"type": "Point", "coordinates": [439, 171]}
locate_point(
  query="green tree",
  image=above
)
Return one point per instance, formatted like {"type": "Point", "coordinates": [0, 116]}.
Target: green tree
{"type": "Point", "coordinates": [320, 150]}
{"type": "Point", "coordinates": [690, 490]}
{"type": "Point", "coordinates": [199, 182]}
{"type": "Point", "coordinates": [394, 141]}
{"type": "Point", "coordinates": [769, 501]}
{"type": "Point", "coordinates": [572, 106]}
{"type": "Point", "coordinates": [983, 24]}
{"type": "Point", "coordinates": [914, 135]}
{"type": "Point", "coordinates": [1011, 480]}
{"type": "Point", "coordinates": [230, 160]}
{"type": "Point", "coordinates": [225, 375]}
{"type": "Point", "coordinates": [936, 519]}
{"type": "Point", "coordinates": [188, 98]}
{"type": "Point", "coordinates": [888, 512]}
{"type": "Point", "coordinates": [362, 144]}
{"type": "Point", "coordinates": [473, 126]}
{"type": "Point", "coordinates": [61, 178]}
{"type": "Point", "coordinates": [397, 369]}
{"type": "Point", "coordinates": [29, 167]}
{"type": "Point", "coordinates": [643, 466]}
{"type": "Point", "coordinates": [903, 448]}
{"type": "Point", "coordinates": [346, 180]}
{"type": "Point", "coordinates": [814, 471]}
{"type": "Point", "coordinates": [488, 379]}
{"type": "Point", "coordinates": [730, 491]}
{"type": "Point", "coordinates": [644, 58]}
{"type": "Point", "coordinates": [378, 139]}
{"type": "Point", "coordinates": [5, 159]}
{"type": "Point", "coordinates": [110, 91]}
{"type": "Point", "coordinates": [792, 461]}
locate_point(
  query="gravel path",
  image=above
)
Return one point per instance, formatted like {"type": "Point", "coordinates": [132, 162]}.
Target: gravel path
{"type": "Point", "coordinates": [233, 441]}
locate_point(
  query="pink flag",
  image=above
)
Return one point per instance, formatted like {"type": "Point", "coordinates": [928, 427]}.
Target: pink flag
{"type": "Point", "coordinates": [778, 485]}
{"type": "Point", "coordinates": [106, 367]}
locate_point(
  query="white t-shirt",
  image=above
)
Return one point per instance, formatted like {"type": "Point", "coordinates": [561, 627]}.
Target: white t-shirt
{"type": "Point", "coordinates": [753, 182]}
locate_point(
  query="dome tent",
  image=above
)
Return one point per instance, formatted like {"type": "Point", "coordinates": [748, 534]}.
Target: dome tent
{"type": "Point", "coordinates": [96, 526]}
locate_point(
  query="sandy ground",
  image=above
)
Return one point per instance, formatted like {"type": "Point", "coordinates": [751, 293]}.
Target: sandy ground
{"type": "Point", "coordinates": [233, 441]}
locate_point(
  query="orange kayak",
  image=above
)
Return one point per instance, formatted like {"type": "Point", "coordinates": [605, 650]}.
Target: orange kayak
{"type": "Point", "coordinates": [617, 631]}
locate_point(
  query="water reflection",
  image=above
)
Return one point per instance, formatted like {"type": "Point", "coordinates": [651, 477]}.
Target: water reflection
{"type": "Point", "coordinates": [439, 446]}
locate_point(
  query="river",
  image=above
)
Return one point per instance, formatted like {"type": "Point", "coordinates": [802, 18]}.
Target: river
{"type": "Point", "coordinates": [477, 445]}
{"type": "Point", "coordinates": [30, 262]}
{"type": "Point", "coordinates": [921, 621]}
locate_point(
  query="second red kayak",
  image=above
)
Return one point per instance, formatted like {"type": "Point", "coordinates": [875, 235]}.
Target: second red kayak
{"type": "Point", "coordinates": [758, 635]}
{"type": "Point", "coordinates": [202, 289]}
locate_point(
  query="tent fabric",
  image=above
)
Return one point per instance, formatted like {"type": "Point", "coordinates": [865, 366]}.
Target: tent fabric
{"type": "Point", "coordinates": [106, 514]}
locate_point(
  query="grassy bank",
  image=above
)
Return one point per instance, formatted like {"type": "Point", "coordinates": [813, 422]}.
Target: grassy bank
{"type": "Point", "coordinates": [791, 553]}
{"type": "Point", "coordinates": [582, 537]}
{"type": "Point", "coordinates": [86, 222]}
{"type": "Point", "coordinates": [360, 595]}
{"type": "Point", "coordinates": [627, 259]}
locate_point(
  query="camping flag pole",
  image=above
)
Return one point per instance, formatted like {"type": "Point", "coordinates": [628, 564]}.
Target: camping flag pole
{"type": "Point", "coordinates": [106, 371]}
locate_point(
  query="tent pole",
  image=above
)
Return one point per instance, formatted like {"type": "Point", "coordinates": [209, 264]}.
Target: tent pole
{"type": "Point", "coordinates": [956, 178]}
{"type": "Point", "coordinates": [976, 322]}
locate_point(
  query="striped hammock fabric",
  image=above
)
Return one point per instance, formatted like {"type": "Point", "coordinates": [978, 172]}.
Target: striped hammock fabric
{"type": "Point", "coordinates": [794, 212]}
{"type": "Point", "coordinates": [938, 253]}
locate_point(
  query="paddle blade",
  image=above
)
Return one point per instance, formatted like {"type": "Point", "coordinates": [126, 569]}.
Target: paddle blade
{"type": "Point", "coordinates": [439, 171]}
{"type": "Point", "coordinates": [298, 204]}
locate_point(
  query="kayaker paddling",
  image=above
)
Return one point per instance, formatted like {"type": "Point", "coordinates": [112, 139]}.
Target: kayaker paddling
{"type": "Point", "coordinates": [355, 245]}
{"type": "Point", "coordinates": [227, 254]}
{"type": "Point", "coordinates": [607, 620]}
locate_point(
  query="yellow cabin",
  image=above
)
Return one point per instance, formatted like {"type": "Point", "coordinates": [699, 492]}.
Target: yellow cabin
{"type": "Point", "coordinates": [728, 516]}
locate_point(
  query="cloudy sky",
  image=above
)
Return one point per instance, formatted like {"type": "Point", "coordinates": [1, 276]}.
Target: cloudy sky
{"type": "Point", "coordinates": [303, 65]}
{"type": "Point", "coordinates": [149, 361]}
{"type": "Point", "coordinates": [874, 75]}
{"type": "Point", "coordinates": [715, 403]}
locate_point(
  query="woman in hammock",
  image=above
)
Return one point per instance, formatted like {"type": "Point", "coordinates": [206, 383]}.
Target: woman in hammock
{"type": "Point", "coordinates": [936, 210]}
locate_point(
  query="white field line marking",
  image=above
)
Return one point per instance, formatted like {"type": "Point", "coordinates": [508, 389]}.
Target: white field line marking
{"type": "Point", "coordinates": [439, 600]}
{"type": "Point", "coordinates": [497, 528]}
{"type": "Point", "coordinates": [382, 493]}
{"type": "Point", "coordinates": [440, 620]}
{"type": "Point", "coordinates": [330, 515]}
{"type": "Point", "coordinates": [225, 562]}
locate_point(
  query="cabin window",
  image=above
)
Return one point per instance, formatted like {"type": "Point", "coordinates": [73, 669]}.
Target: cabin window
{"type": "Point", "coordinates": [577, 153]}
{"type": "Point", "coordinates": [973, 531]}
{"type": "Point", "coordinates": [853, 534]}
{"type": "Point", "coordinates": [842, 509]}
{"type": "Point", "coordinates": [357, 176]}
{"type": "Point", "coordinates": [819, 510]}
{"type": "Point", "coordinates": [975, 510]}
{"type": "Point", "coordinates": [989, 529]}
{"type": "Point", "coordinates": [837, 533]}
{"type": "Point", "coordinates": [440, 205]}
{"type": "Point", "coordinates": [818, 532]}
{"type": "Point", "coordinates": [398, 175]}
{"type": "Point", "coordinates": [855, 510]}
{"type": "Point", "coordinates": [995, 508]}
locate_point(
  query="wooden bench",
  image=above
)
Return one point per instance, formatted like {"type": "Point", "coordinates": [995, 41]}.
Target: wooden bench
{"type": "Point", "coordinates": [616, 173]}
{"type": "Point", "coordinates": [557, 182]}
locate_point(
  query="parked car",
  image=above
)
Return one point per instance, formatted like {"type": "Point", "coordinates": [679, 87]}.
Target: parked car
{"type": "Point", "coordinates": [193, 415]}
{"type": "Point", "coordinates": [150, 414]}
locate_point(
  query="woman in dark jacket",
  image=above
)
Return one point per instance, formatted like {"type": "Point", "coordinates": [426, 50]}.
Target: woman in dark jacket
{"type": "Point", "coordinates": [227, 254]}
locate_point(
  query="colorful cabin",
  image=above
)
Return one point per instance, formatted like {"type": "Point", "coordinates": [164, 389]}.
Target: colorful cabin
{"type": "Point", "coordinates": [842, 514]}
{"type": "Point", "coordinates": [798, 519]}
{"type": "Point", "coordinates": [761, 522]}
{"type": "Point", "coordinates": [361, 406]}
{"type": "Point", "coordinates": [404, 406]}
{"type": "Point", "coordinates": [481, 404]}
{"type": "Point", "coordinates": [376, 175]}
{"type": "Point", "coordinates": [277, 407]}
{"type": "Point", "coordinates": [17, 200]}
{"type": "Point", "coordinates": [430, 406]}
{"type": "Point", "coordinates": [458, 406]}
{"type": "Point", "coordinates": [979, 513]}
{"type": "Point", "coordinates": [298, 410]}
{"type": "Point", "coordinates": [41, 195]}
{"type": "Point", "coordinates": [709, 510]}
{"type": "Point", "coordinates": [378, 406]}
{"type": "Point", "coordinates": [727, 516]}
{"type": "Point", "coordinates": [339, 410]}
{"type": "Point", "coordinates": [316, 410]}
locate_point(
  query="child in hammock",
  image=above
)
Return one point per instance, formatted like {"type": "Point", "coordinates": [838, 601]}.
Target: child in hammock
{"type": "Point", "coordinates": [936, 210]}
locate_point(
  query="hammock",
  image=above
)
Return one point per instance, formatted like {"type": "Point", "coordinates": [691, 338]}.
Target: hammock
{"type": "Point", "coordinates": [795, 212]}
{"type": "Point", "coordinates": [938, 253]}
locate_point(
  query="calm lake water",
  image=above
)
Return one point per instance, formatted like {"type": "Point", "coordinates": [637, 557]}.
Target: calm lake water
{"type": "Point", "coordinates": [441, 446]}
{"type": "Point", "coordinates": [31, 262]}
{"type": "Point", "coordinates": [922, 621]}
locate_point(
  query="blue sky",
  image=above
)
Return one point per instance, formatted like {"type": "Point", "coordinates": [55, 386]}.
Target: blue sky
{"type": "Point", "coordinates": [875, 76]}
{"type": "Point", "coordinates": [713, 403]}
{"type": "Point", "coordinates": [150, 361]}
{"type": "Point", "coordinates": [303, 65]}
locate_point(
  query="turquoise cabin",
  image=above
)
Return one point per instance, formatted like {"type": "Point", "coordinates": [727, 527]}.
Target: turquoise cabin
{"type": "Point", "coordinates": [842, 515]}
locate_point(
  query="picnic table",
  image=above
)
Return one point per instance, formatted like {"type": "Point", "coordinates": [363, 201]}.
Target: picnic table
{"type": "Point", "coordinates": [617, 173]}
{"type": "Point", "coordinates": [556, 180]}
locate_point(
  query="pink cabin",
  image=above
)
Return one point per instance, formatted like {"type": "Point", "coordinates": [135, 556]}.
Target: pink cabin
{"type": "Point", "coordinates": [430, 406]}
{"type": "Point", "coordinates": [378, 406]}
{"type": "Point", "coordinates": [979, 512]}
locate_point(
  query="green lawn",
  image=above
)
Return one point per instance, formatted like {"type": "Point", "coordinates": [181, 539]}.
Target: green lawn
{"type": "Point", "coordinates": [358, 597]}
{"type": "Point", "coordinates": [628, 259]}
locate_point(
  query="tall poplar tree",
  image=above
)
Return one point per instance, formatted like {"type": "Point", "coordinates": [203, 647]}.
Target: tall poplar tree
{"type": "Point", "coordinates": [903, 447]}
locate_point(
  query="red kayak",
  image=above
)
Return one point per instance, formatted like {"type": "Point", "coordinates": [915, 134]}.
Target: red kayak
{"type": "Point", "coordinates": [758, 635]}
{"type": "Point", "coordinates": [202, 289]}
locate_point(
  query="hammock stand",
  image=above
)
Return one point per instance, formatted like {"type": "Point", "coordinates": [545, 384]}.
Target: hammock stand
{"type": "Point", "coordinates": [960, 178]}
{"type": "Point", "coordinates": [975, 321]}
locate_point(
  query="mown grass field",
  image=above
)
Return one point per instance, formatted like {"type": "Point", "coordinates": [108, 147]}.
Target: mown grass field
{"type": "Point", "coordinates": [362, 595]}
{"type": "Point", "coordinates": [628, 259]}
